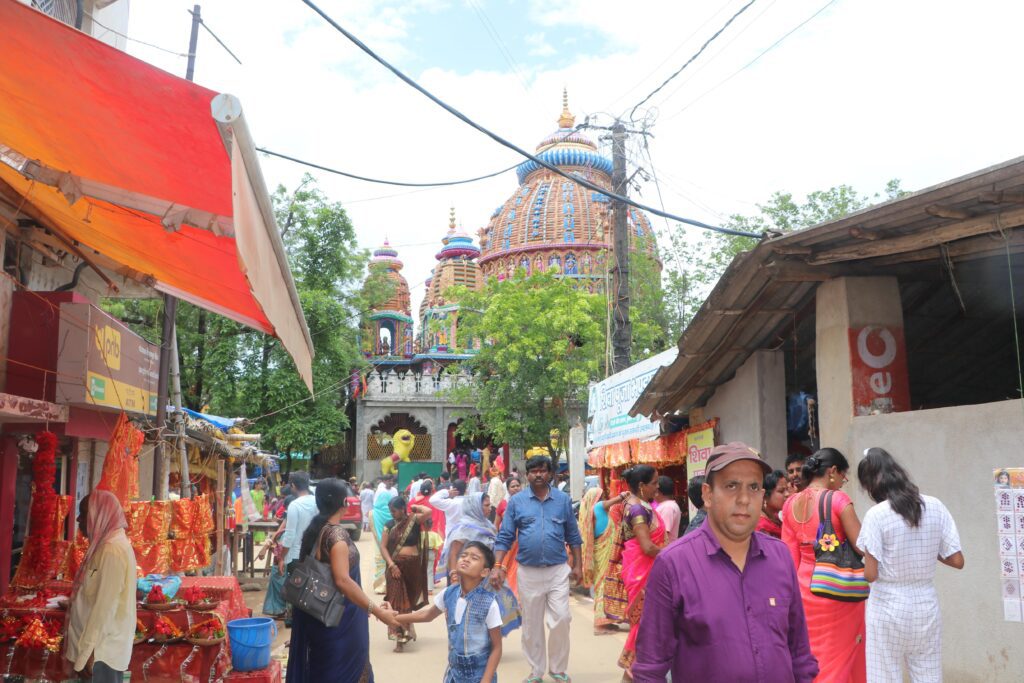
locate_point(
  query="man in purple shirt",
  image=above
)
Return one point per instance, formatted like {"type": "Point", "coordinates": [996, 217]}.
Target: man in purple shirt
{"type": "Point", "coordinates": [723, 603]}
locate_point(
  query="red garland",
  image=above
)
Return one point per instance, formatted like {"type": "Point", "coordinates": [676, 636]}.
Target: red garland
{"type": "Point", "coordinates": [44, 503]}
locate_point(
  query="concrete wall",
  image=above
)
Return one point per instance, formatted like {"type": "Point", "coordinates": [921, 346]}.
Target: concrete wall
{"type": "Point", "coordinates": [843, 304]}
{"type": "Point", "coordinates": [751, 407]}
{"type": "Point", "coordinates": [950, 453]}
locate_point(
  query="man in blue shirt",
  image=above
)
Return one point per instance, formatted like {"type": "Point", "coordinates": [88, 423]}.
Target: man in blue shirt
{"type": "Point", "coordinates": [301, 512]}
{"type": "Point", "coordinates": [543, 518]}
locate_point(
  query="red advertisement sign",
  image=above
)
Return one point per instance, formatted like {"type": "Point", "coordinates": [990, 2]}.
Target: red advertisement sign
{"type": "Point", "coordinates": [878, 365]}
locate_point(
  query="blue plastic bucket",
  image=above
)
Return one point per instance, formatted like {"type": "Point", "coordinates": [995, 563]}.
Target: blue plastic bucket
{"type": "Point", "coordinates": [250, 642]}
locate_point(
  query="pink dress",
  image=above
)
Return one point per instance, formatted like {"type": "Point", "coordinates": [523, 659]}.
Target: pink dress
{"type": "Point", "coordinates": [836, 629]}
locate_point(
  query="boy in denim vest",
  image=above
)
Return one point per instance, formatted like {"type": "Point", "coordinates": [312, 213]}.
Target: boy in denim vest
{"type": "Point", "coordinates": [474, 620]}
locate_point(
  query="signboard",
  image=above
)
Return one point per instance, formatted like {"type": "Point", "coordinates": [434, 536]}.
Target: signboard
{"type": "Point", "coordinates": [610, 400]}
{"type": "Point", "coordinates": [1009, 490]}
{"type": "Point", "coordinates": [878, 365]}
{"type": "Point", "coordinates": [103, 364]}
{"type": "Point", "coordinates": [698, 449]}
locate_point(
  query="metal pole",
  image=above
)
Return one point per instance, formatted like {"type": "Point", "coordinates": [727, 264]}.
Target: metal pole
{"type": "Point", "coordinates": [179, 417]}
{"type": "Point", "coordinates": [622, 332]}
{"type": "Point", "coordinates": [192, 41]}
{"type": "Point", "coordinates": [160, 454]}
{"type": "Point", "coordinates": [167, 337]}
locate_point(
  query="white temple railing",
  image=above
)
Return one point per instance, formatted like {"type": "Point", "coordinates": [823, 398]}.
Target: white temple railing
{"type": "Point", "coordinates": [392, 386]}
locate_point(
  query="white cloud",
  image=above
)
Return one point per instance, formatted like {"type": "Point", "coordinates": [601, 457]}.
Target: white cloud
{"type": "Point", "coordinates": [539, 47]}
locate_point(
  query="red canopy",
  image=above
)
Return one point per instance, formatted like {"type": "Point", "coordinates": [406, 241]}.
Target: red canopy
{"type": "Point", "coordinates": [128, 160]}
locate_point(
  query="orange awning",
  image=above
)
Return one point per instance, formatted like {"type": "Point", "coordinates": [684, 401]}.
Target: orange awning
{"type": "Point", "coordinates": [129, 161]}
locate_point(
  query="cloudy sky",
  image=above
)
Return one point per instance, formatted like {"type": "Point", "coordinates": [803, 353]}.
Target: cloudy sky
{"type": "Point", "coordinates": [865, 91]}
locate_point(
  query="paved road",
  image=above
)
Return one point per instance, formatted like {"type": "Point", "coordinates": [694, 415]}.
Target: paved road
{"type": "Point", "coordinates": [592, 660]}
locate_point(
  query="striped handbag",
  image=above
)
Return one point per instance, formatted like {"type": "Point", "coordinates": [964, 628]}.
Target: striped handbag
{"type": "Point", "coordinates": [838, 569]}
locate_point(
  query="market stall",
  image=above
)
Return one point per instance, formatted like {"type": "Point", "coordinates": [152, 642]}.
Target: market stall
{"type": "Point", "coordinates": [184, 639]}
{"type": "Point", "coordinates": [680, 456]}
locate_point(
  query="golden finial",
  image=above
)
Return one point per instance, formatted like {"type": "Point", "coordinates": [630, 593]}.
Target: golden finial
{"type": "Point", "coordinates": [451, 220]}
{"type": "Point", "coordinates": [566, 120]}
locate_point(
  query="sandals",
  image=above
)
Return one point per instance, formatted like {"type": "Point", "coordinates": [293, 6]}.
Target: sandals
{"type": "Point", "coordinates": [561, 678]}
{"type": "Point", "coordinates": [534, 679]}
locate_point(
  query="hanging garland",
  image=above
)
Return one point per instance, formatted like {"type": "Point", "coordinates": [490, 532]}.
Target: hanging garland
{"type": "Point", "coordinates": [44, 504]}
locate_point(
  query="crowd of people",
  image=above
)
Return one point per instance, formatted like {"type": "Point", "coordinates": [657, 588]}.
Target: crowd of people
{"type": "Point", "coordinates": [726, 592]}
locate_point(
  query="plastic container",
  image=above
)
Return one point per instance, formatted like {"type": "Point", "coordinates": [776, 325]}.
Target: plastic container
{"type": "Point", "coordinates": [250, 642]}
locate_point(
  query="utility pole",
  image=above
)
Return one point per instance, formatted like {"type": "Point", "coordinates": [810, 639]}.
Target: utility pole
{"type": "Point", "coordinates": [622, 328]}
{"type": "Point", "coordinates": [168, 336]}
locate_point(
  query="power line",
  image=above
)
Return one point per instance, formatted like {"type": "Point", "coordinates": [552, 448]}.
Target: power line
{"type": "Point", "coordinates": [752, 61]}
{"type": "Point", "coordinates": [134, 40]}
{"type": "Point", "coordinates": [707, 62]}
{"type": "Point", "coordinates": [670, 56]}
{"type": "Point", "coordinates": [221, 42]}
{"type": "Point", "coordinates": [502, 141]}
{"type": "Point", "coordinates": [399, 183]}
{"type": "Point", "coordinates": [690, 60]}
{"type": "Point", "coordinates": [496, 37]}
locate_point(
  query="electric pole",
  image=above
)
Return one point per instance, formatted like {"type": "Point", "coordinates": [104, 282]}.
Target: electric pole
{"type": "Point", "coordinates": [622, 328]}
{"type": "Point", "coordinates": [168, 339]}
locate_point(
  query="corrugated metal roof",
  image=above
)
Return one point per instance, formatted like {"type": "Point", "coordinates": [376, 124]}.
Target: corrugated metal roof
{"type": "Point", "coordinates": [762, 290]}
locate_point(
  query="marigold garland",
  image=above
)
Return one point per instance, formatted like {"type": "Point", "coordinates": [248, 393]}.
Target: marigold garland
{"type": "Point", "coordinates": [44, 505]}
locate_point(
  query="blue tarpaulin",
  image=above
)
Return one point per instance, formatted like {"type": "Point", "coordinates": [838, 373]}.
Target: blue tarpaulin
{"type": "Point", "coordinates": [217, 421]}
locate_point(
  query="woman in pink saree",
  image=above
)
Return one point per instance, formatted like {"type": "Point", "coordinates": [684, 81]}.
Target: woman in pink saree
{"type": "Point", "coordinates": [643, 536]}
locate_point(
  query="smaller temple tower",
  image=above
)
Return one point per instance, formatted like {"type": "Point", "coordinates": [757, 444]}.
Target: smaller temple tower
{"type": "Point", "coordinates": [391, 324]}
{"type": "Point", "coordinates": [439, 317]}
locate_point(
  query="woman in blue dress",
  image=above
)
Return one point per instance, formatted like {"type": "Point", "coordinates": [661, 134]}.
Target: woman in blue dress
{"type": "Point", "coordinates": [337, 654]}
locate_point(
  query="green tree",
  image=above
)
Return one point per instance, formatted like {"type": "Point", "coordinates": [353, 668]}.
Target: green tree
{"type": "Point", "coordinates": [545, 343]}
{"type": "Point", "coordinates": [693, 266]}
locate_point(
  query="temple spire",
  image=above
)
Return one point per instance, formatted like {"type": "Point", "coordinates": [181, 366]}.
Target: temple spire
{"type": "Point", "coordinates": [451, 219]}
{"type": "Point", "coordinates": [566, 120]}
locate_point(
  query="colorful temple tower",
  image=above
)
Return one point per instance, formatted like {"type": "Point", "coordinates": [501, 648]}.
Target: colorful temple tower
{"type": "Point", "coordinates": [439, 316]}
{"type": "Point", "coordinates": [391, 324]}
{"type": "Point", "coordinates": [551, 222]}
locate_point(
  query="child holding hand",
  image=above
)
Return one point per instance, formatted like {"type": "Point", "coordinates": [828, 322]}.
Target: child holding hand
{"type": "Point", "coordinates": [473, 618]}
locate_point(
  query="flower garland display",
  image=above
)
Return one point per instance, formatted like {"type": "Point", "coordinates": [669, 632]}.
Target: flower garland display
{"type": "Point", "coordinates": [164, 629]}
{"type": "Point", "coordinates": [195, 596]}
{"type": "Point", "coordinates": [156, 596]}
{"type": "Point", "coordinates": [211, 629]}
{"type": "Point", "coordinates": [42, 634]}
{"type": "Point", "coordinates": [42, 513]}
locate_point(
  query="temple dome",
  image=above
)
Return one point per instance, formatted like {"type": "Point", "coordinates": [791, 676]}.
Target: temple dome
{"type": "Point", "coordinates": [391, 323]}
{"type": "Point", "coordinates": [552, 222]}
{"type": "Point", "coordinates": [456, 266]}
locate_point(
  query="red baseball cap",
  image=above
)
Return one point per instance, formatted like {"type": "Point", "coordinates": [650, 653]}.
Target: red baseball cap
{"type": "Point", "coordinates": [726, 454]}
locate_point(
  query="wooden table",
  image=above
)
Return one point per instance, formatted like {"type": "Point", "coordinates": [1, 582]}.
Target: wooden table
{"type": "Point", "coordinates": [242, 541]}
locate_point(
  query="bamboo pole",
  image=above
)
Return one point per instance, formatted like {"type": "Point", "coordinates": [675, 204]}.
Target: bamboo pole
{"type": "Point", "coordinates": [219, 565]}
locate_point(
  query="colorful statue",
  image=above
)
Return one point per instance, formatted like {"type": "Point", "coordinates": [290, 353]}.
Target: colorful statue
{"type": "Point", "coordinates": [401, 446]}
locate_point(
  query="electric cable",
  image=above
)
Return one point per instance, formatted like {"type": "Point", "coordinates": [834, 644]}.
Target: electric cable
{"type": "Point", "coordinates": [691, 59]}
{"type": "Point", "coordinates": [666, 59]}
{"type": "Point", "coordinates": [752, 61]}
{"type": "Point", "coordinates": [502, 141]}
{"type": "Point", "coordinates": [221, 42]}
{"type": "Point", "coordinates": [399, 183]}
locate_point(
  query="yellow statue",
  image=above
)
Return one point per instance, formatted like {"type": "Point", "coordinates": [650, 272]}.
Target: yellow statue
{"type": "Point", "coordinates": [401, 445]}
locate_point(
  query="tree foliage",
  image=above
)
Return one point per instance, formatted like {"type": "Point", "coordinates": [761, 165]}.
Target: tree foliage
{"type": "Point", "coordinates": [544, 344]}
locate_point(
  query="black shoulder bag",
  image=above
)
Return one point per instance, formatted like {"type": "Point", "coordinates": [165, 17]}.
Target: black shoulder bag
{"type": "Point", "coordinates": [310, 587]}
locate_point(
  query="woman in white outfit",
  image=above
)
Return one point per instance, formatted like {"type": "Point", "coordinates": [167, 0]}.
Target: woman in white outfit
{"type": "Point", "coordinates": [903, 538]}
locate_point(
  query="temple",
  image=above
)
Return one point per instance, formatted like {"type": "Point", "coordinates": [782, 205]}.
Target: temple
{"type": "Point", "coordinates": [551, 222]}
{"type": "Point", "coordinates": [391, 323]}
{"type": "Point", "coordinates": [439, 316]}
